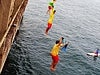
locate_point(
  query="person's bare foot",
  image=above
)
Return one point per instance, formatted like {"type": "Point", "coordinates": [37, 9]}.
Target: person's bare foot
{"type": "Point", "coordinates": [46, 33]}
{"type": "Point", "coordinates": [52, 69]}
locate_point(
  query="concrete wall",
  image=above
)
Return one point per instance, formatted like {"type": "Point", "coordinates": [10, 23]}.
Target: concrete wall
{"type": "Point", "coordinates": [6, 9]}
{"type": "Point", "coordinates": [11, 12]}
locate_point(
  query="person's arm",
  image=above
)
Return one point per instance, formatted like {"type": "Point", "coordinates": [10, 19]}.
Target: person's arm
{"type": "Point", "coordinates": [66, 44]}
{"type": "Point", "coordinates": [60, 42]}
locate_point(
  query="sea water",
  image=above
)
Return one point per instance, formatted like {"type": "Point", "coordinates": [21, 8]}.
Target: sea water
{"type": "Point", "coordinates": [78, 21]}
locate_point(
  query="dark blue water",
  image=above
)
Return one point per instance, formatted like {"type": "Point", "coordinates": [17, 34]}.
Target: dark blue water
{"type": "Point", "coordinates": [78, 21]}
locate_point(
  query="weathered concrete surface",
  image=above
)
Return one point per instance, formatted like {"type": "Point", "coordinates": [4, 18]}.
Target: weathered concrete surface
{"type": "Point", "coordinates": [11, 12]}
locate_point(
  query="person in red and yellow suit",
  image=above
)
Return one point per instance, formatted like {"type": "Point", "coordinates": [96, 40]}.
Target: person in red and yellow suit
{"type": "Point", "coordinates": [54, 53]}
{"type": "Point", "coordinates": [50, 21]}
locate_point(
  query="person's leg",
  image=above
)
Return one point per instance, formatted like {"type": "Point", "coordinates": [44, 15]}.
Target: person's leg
{"type": "Point", "coordinates": [46, 31]}
{"type": "Point", "coordinates": [51, 67]}
{"type": "Point", "coordinates": [54, 63]}
{"type": "Point", "coordinates": [48, 28]}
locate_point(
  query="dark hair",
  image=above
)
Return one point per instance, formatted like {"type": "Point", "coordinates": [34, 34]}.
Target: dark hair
{"type": "Point", "coordinates": [62, 38]}
{"type": "Point", "coordinates": [53, 6]}
{"type": "Point", "coordinates": [57, 41]}
{"type": "Point", "coordinates": [54, 11]}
